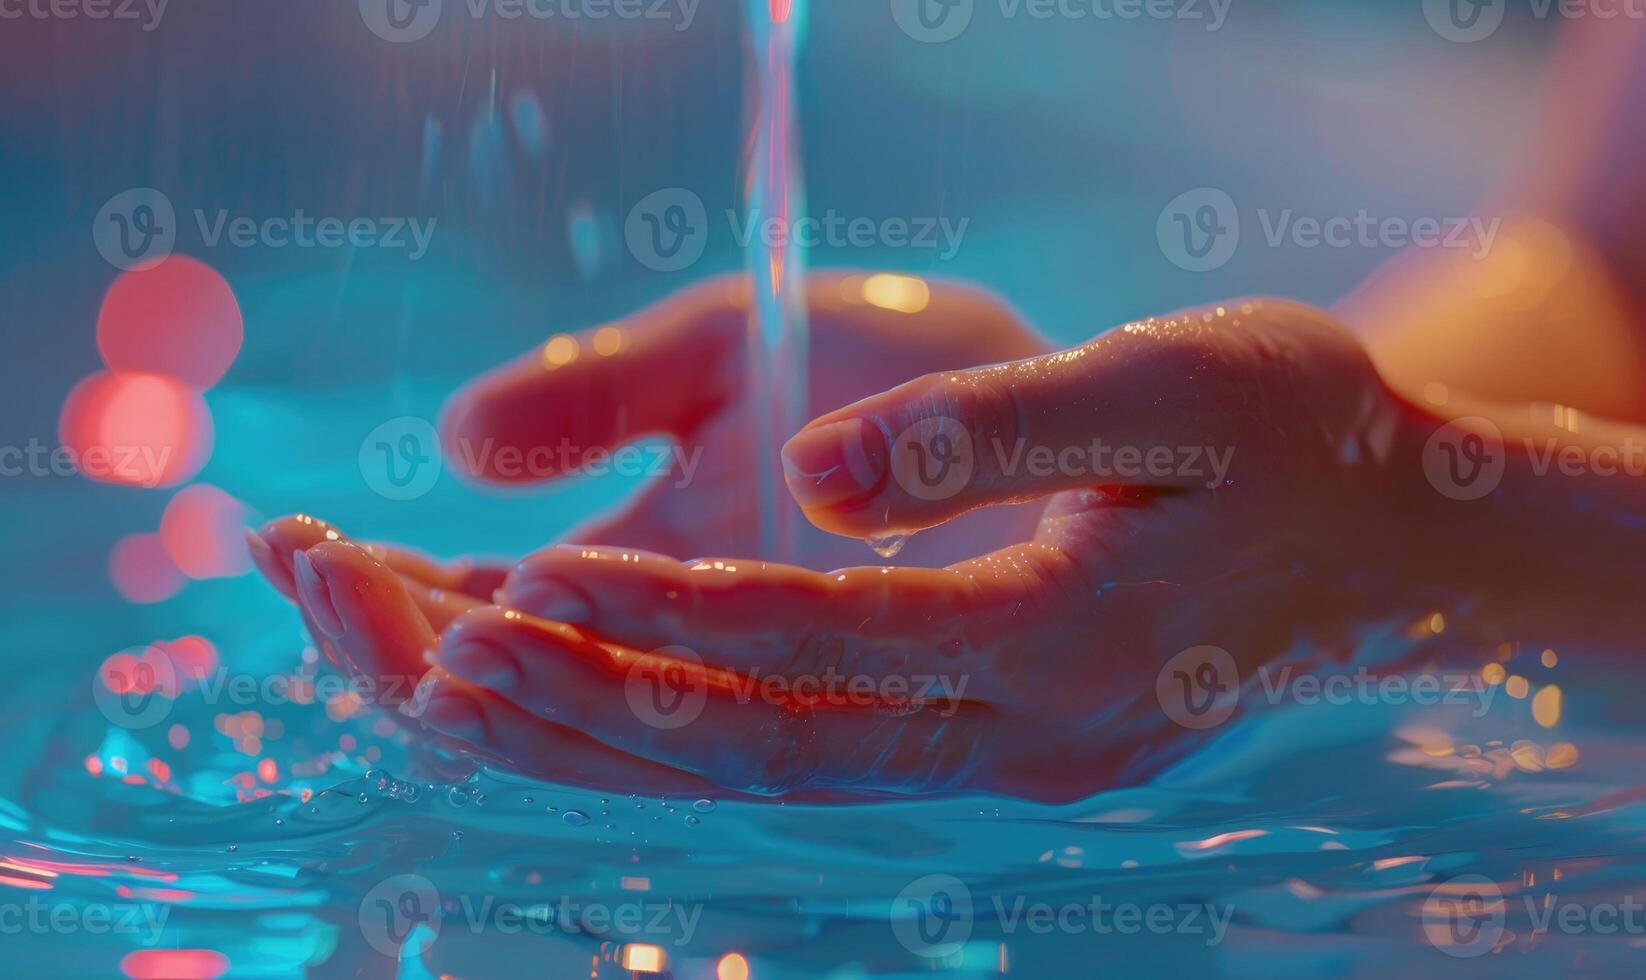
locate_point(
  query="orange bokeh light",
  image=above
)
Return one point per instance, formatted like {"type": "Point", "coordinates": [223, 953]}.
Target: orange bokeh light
{"type": "Point", "coordinates": [202, 529]}
{"type": "Point", "coordinates": [135, 429]}
{"type": "Point", "coordinates": [177, 317]}
{"type": "Point", "coordinates": [142, 571]}
{"type": "Point", "coordinates": [174, 964]}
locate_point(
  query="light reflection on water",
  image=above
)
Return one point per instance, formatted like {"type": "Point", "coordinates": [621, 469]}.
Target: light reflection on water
{"type": "Point", "coordinates": [1313, 834]}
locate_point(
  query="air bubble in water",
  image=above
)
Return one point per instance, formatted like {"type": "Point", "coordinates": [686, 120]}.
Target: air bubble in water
{"type": "Point", "coordinates": [575, 818]}
{"type": "Point", "coordinates": [886, 545]}
{"type": "Point", "coordinates": [704, 806]}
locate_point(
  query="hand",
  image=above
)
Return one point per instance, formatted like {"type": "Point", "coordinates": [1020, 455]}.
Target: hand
{"type": "Point", "coordinates": [376, 609]}
{"type": "Point", "coordinates": [677, 370]}
{"type": "Point", "coordinates": [1318, 519]}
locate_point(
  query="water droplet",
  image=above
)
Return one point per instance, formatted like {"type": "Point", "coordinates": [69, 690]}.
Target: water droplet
{"type": "Point", "coordinates": [704, 806]}
{"type": "Point", "coordinates": [233, 848]}
{"type": "Point", "coordinates": [575, 818]}
{"type": "Point", "coordinates": [457, 835]}
{"type": "Point", "coordinates": [458, 796]}
{"type": "Point", "coordinates": [363, 798]}
{"type": "Point", "coordinates": [886, 545]}
{"type": "Point", "coordinates": [692, 821]}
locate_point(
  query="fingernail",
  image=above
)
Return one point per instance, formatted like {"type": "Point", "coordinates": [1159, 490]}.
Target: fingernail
{"type": "Point", "coordinates": [551, 599]}
{"type": "Point", "coordinates": [480, 663]}
{"type": "Point", "coordinates": [316, 596]}
{"type": "Point", "coordinates": [263, 557]}
{"type": "Point", "coordinates": [456, 715]}
{"type": "Point", "coordinates": [834, 463]}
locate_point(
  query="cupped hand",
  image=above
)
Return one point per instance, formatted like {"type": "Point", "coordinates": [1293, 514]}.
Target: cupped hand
{"type": "Point", "coordinates": [1235, 478]}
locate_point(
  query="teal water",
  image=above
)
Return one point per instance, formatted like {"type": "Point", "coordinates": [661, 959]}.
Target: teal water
{"type": "Point", "coordinates": [1313, 837]}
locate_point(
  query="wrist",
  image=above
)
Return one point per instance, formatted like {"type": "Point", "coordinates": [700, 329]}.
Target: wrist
{"type": "Point", "coordinates": [1534, 515]}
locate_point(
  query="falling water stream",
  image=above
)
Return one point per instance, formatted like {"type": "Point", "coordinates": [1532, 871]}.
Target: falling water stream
{"type": "Point", "coordinates": [777, 337]}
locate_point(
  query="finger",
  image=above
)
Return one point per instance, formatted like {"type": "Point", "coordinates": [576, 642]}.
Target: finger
{"type": "Point", "coordinates": [735, 737]}
{"type": "Point", "coordinates": [273, 548]}
{"type": "Point", "coordinates": [778, 619]}
{"type": "Point", "coordinates": [466, 576]}
{"type": "Point", "coordinates": [368, 614]}
{"type": "Point", "coordinates": [367, 611]}
{"type": "Point", "coordinates": [475, 721]}
{"type": "Point", "coordinates": [669, 368]}
{"type": "Point", "coordinates": [662, 370]}
{"type": "Point", "coordinates": [942, 445]}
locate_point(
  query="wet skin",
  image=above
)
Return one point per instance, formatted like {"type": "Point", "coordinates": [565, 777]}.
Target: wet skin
{"type": "Point", "coordinates": [1025, 662]}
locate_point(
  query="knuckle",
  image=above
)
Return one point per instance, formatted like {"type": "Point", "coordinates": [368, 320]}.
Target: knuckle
{"type": "Point", "coordinates": [987, 402]}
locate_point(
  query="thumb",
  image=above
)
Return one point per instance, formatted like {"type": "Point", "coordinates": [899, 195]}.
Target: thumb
{"type": "Point", "coordinates": [1158, 403]}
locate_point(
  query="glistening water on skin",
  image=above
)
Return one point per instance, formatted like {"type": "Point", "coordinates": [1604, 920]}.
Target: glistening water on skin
{"type": "Point", "coordinates": [1258, 639]}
